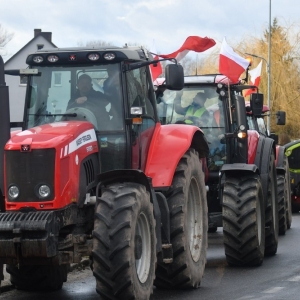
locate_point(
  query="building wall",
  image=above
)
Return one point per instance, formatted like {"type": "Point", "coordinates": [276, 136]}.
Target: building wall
{"type": "Point", "coordinates": [17, 90]}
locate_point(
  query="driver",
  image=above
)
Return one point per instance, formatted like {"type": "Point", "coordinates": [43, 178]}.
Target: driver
{"type": "Point", "coordinates": [195, 113]}
{"type": "Point", "coordinates": [85, 92]}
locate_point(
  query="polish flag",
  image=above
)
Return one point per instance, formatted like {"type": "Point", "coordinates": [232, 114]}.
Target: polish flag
{"type": "Point", "coordinates": [156, 69]}
{"type": "Point", "coordinates": [192, 43]}
{"type": "Point", "coordinates": [255, 79]}
{"type": "Point", "coordinates": [230, 63]}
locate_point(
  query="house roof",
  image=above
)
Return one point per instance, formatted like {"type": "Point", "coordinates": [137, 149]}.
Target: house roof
{"type": "Point", "coordinates": [37, 33]}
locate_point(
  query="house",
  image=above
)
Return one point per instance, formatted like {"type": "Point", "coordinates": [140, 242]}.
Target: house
{"type": "Point", "coordinates": [17, 84]}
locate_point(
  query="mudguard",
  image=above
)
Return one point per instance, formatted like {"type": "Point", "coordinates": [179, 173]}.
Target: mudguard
{"type": "Point", "coordinates": [168, 145]}
{"type": "Point", "coordinates": [265, 148]}
{"type": "Point", "coordinates": [238, 167]}
{"type": "Point", "coordinates": [279, 159]}
{"type": "Point", "coordinates": [253, 137]}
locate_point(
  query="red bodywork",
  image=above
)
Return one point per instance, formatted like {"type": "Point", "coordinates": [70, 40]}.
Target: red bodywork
{"type": "Point", "coordinates": [168, 145]}
{"type": "Point", "coordinates": [73, 141]}
{"type": "Point", "coordinates": [253, 137]}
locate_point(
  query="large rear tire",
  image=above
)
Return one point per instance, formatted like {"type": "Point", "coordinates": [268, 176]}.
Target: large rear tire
{"type": "Point", "coordinates": [288, 196]}
{"type": "Point", "coordinates": [189, 225]}
{"type": "Point", "coordinates": [243, 220]}
{"type": "Point", "coordinates": [38, 278]}
{"type": "Point", "coordinates": [282, 211]}
{"type": "Point", "coordinates": [124, 243]}
{"type": "Point", "coordinates": [271, 212]}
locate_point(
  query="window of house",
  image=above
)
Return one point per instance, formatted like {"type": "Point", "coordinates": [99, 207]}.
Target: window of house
{"type": "Point", "coordinates": [23, 80]}
{"type": "Point", "coordinates": [40, 46]}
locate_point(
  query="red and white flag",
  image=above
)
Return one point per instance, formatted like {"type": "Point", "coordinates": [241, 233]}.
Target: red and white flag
{"type": "Point", "coordinates": [230, 63]}
{"type": "Point", "coordinates": [156, 69]}
{"type": "Point", "coordinates": [255, 79]}
{"type": "Point", "coordinates": [192, 43]}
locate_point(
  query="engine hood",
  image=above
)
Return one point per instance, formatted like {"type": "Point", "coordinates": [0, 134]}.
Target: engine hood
{"type": "Point", "coordinates": [53, 135]}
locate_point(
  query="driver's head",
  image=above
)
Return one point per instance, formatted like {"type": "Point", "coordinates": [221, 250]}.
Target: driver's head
{"type": "Point", "coordinates": [200, 98]}
{"type": "Point", "coordinates": [84, 84]}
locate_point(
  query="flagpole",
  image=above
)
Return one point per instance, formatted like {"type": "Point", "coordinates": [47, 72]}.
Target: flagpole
{"type": "Point", "coordinates": [269, 71]}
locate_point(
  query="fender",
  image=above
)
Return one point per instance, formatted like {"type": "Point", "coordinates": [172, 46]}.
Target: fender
{"type": "Point", "coordinates": [280, 159]}
{"type": "Point", "coordinates": [168, 145]}
{"type": "Point", "coordinates": [253, 137]}
{"type": "Point", "coordinates": [265, 148]}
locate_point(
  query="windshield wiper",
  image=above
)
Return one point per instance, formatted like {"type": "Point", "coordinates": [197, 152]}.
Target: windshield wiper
{"type": "Point", "coordinates": [54, 115]}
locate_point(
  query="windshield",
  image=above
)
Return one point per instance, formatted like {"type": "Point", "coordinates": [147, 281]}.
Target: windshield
{"type": "Point", "coordinates": [90, 93]}
{"type": "Point", "coordinates": [200, 106]}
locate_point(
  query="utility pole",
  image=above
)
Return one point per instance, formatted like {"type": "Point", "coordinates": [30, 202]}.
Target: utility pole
{"type": "Point", "coordinates": [269, 71]}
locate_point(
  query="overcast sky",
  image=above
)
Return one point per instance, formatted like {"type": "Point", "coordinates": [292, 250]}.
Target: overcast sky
{"type": "Point", "coordinates": [167, 22]}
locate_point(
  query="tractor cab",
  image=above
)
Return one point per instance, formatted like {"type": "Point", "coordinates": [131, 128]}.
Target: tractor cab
{"type": "Point", "coordinates": [110, 88]}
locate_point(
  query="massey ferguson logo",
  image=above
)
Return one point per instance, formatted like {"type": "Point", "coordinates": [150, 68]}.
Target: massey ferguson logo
{"type": "Point", "coordinates": [83, 139]}
{"type": "Point", "coordinates": [72, 57]}
{"type": "Point", "coordinates": [25, 148]}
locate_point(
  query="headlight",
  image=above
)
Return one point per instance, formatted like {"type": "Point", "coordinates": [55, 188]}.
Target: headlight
{"type": "Point", "coordinates": [44, 191]}
{"type": "Point", "coordinates": [13, 192]}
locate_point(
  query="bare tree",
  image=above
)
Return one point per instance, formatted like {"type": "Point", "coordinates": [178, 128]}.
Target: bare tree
{"type": "Point", "coordinates": [5, 36]}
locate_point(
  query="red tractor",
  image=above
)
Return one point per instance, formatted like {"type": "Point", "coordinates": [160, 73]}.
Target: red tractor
{"type": "Point", "coordinates": [93, 173]}
{"type": "Point", "coordinates": [257, 122]}
{"type": "Point", "coordinates": [241, 184]}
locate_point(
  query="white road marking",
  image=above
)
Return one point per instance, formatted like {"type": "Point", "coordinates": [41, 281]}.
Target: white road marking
{"type": "Point", "coordinates": [294, 278]}
{"type": "Point", "coordinates": [273, 290]}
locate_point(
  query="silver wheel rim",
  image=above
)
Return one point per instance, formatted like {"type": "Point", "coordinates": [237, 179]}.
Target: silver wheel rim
{"type": "Point", "coordinates": [143, 264]}
{"type": "Point", "coordinates": [194, 224]}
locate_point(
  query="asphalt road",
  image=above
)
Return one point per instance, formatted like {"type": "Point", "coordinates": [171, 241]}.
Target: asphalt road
{"type": "Point", "coordinates": [277, 278]}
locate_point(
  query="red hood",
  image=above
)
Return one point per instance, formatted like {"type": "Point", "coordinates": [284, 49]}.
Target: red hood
{"type": "Point", "coordinates": [49, 135]}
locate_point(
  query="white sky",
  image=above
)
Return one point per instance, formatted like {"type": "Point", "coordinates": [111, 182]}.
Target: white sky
{"type": "Point", "coordinates": [167, 22]}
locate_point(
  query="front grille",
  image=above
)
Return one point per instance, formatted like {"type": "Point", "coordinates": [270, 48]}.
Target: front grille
{"type": "Point", "coordinates": [28, 170]}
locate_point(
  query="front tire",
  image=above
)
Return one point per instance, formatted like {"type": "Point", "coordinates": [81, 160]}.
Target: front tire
{"type": "Point", "coordinates": [124, 243]}
{"type": "Point", "coordinates": [243, 220]}
{"type": "Point", "coordinates": [189, 225]}
{"type": "Point", "coordinates": [38, 278]}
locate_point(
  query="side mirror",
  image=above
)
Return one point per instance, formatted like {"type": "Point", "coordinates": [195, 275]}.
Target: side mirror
{"type": "Point", "coordinates": [256, 103]}
{"type": "Point", "coordinates": [174, 77]}
{"type": "Point", "coordinates": [280, 115]}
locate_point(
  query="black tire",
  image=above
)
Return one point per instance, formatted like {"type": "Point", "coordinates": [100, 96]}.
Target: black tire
{"type": "Point", "coordinates": [188, 206]}
{"type": "Point", "coordinates": [38, 278]}
{"type": "Point", "coordinates": [288, 196]}
{"type": "Point", "coordinates": [284, 198]}
{"type": "Point", "coordinates": [243, 220]}
{"type": "Point", "coordinates": [295, 208]}
{"type": "Point", "coordinates": [281, 194]}
{"type": "Point", "coordinates": [271, 212]}
{"type": "Point", "coordinates": [212, 229]}
{"type": "Point", "coordinates": [124, 243]}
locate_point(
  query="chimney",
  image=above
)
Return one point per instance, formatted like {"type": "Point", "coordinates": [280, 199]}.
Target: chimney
{"type": "Point", "coordinates": [37, 32]}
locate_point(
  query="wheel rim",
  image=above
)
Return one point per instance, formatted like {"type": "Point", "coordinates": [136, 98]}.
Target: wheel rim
{"type": "Point", "coordinates": [142, 248]}
{"type": "Point", "coordinates": [194, 224]}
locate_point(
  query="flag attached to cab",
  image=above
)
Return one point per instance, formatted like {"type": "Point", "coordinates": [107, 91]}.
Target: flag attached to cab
{"type": "Point", "coordinates": [255, 79]}
{"type": "Point", "coordinates": [192, 43]}
{"type": "Point", "coordinates": [231, 64]}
